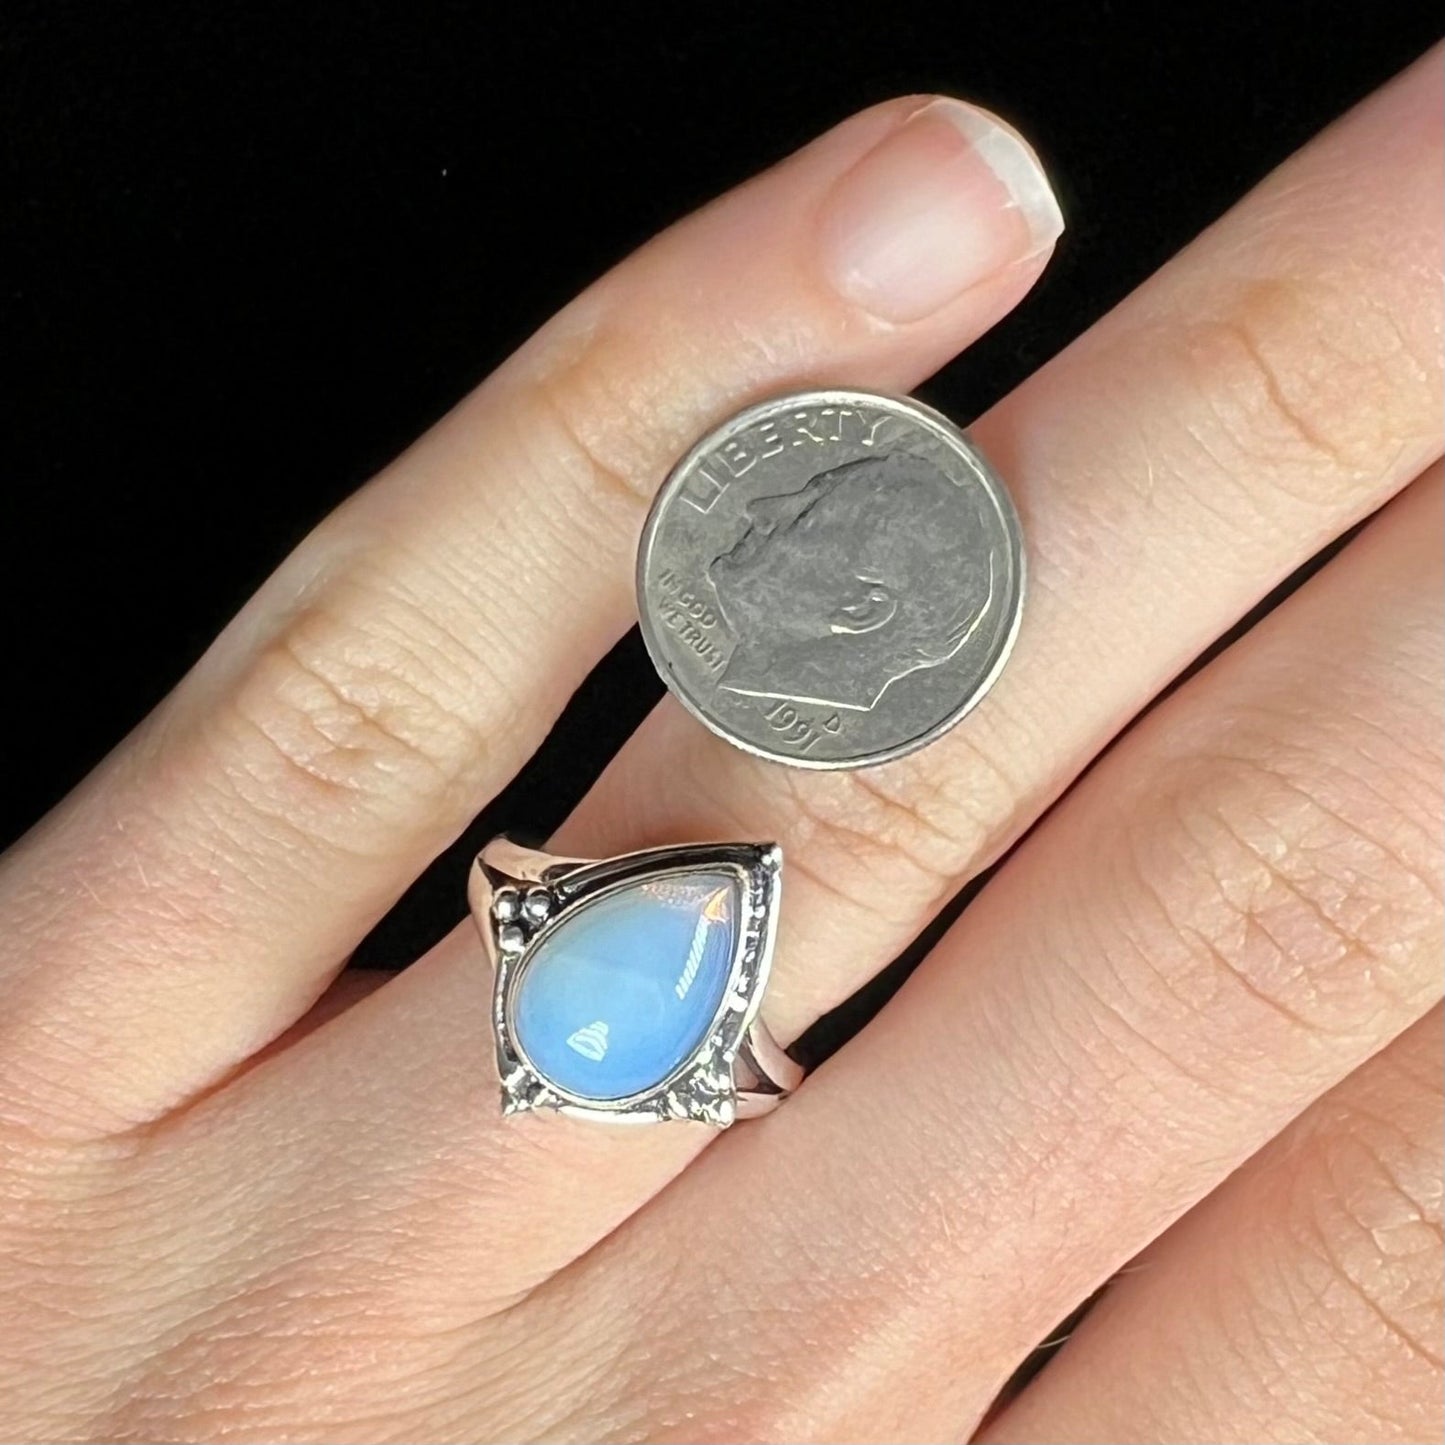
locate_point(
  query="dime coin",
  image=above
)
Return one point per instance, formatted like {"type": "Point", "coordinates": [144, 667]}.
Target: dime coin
{"type": "Point", "coordinates": [831, 579]}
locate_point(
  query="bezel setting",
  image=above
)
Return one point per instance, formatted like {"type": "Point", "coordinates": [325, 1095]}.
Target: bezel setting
{"type": "Point", "coordinates": [519, 897]}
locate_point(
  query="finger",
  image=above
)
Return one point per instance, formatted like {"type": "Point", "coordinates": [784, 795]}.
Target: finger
{"type": "Point", "coordinates": [1239, 905]}
{"type": "Point", "coordinates": [350, 988]}
{"type": "Point", "coordinates": [1189, 548]}
{"type": "Point", "coordinates": [1270, 387]}
{"type": "Point", "coordinates": [397, 669]}
{"type": "Point", "coordinates": [1300, 1301]}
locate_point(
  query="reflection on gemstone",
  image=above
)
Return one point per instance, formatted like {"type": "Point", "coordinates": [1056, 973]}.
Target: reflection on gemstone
{"type": "Point", "coordinates": [590, 1042]}
{"type": "Point", "coordinates": [613, 1000]}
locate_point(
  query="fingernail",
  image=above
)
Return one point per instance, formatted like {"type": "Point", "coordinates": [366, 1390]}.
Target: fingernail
{"type": "Point", "coordinates": [943, 202]}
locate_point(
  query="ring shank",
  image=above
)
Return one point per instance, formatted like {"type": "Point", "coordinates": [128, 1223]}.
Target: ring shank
{"type": "Point", "coordinates": [765, 1073]}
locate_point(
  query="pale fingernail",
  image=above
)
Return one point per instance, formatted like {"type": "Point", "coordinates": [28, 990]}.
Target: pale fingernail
{"type": "Point", "coordinates": [943, 202]}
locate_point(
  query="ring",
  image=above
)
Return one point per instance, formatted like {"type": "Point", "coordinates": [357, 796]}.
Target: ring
{"type": "Point", "coordinates": [627, 989]}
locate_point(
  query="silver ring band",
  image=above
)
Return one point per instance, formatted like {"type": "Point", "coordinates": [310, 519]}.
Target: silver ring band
{"type": "Point", "coordinates": [627, 989]}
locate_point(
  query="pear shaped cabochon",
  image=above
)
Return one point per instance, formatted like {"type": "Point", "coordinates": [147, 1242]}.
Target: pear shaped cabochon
{"type": "Point", "coordinates": [618, 993]}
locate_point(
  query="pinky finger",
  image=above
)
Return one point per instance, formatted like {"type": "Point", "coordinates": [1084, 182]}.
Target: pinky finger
{"type": "Point", "coordinates": [1300, 1301]}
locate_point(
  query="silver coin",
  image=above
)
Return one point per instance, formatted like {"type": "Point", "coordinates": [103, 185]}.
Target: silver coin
{"type": "Point", "coordinates": [831, 579]}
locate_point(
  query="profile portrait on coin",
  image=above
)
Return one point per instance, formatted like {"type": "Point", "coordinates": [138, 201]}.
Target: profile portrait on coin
{"type": "Point", "coordinates": [857, 579]}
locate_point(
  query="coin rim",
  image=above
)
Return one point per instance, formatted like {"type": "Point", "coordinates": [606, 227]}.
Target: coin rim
{"type": "Point", "coordinates": [958, 440]}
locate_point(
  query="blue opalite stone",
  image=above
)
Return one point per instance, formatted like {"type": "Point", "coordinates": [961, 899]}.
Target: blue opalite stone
{"type": "Point", "coordinates": [624, 989]}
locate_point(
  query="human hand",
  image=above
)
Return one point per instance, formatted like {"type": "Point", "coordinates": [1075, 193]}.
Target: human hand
{"type": "Point", "coordinates": [1198, 1010]}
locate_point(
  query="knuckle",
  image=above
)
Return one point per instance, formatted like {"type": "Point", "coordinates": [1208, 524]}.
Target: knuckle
{"type": "Point", "coordinates": [363, 709]}
{"type": "Point", "coordinates": [267, 1394]}
{"type": "Point", "coordinates": [1281, 386]}
{"type": "Point", "coordinates": [614, 391]}
{"type": "Point", "coordinates": [577, 415]}
{"type": "Point", "coordinates": [1367, 1216]}
{"type": "Point", "coordinates": [1271, 882]}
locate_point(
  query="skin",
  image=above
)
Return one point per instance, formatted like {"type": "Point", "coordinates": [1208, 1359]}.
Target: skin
{"type": "Point", "coordinates": [1186, 1040]}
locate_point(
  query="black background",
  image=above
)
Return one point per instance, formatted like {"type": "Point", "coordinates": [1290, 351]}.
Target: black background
{"type": "Point", "coordinates": [251, 251]}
